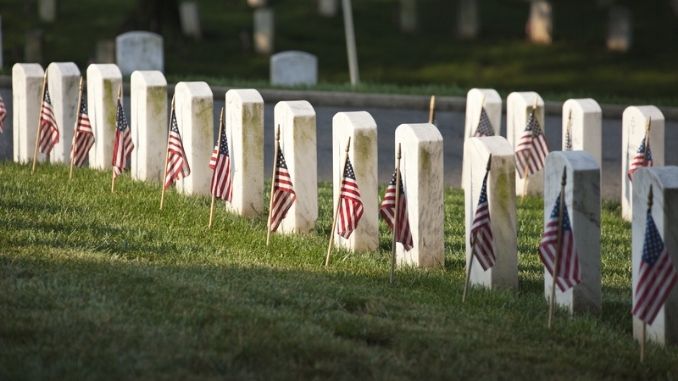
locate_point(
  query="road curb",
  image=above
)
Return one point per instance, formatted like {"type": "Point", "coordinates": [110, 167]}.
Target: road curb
{"type": "Point", "coordinates": [388, 101]}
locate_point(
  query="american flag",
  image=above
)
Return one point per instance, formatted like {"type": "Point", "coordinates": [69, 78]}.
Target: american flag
{"type": "Point", "coordinates": [84, 135]}
{"type": "Point", "coordinates": [657, 275]}
{"type": "Point", "coordinates": [123, 144]}
{"type": "Point", "coordinates": [531, 149]}
{"type": "Point", "coordinates": [568, 137]}
{"type": "Point", "coordinates": [220, 163]}
{"type": "Point", "coordinates": [484, 126]}
{"type": "Point", "coordinates": [3, 115]}
{"type": "Point", "coordinates": [642, 158]}
{"type": "Point", "coordinates": [177, 163]}
{"type": "Point", "coordinates": [350, 204]}
{"type": "Point", "coordinates": [568, 266]}
{"type": "Point", "coordinates": [48, 133]}
{"type": "Point", "coordinates": [283, 192]}
{"type": "Point", "coordinates": [481, 230]}
{"type": "Point", "coordinates": [387, 211]}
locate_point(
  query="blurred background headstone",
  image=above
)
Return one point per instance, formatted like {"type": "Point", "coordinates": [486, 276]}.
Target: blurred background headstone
{"type": "Point", "coordinates": [293, 68]}
{"type": "Point", "coordinates": [467, 19]}
{"type": "Point", "coordinates": [47, 10]}
{"type": "Point", "coordinates": [189, 16]}
{"type": "Point", "coordinates": [139, 50]}
{"type": "Point", "coordinates": [408, 15]}
{"type": "Point", "coordinates": [620, 29]}
{"type": "Point", "coordinates": [256, 3]}
{"type": "Point", "coordinates": [264, 30]}
{"type": "Point", "coordinates": [540, 24]}
{"type": "Point", "coordinates": [327, 8]}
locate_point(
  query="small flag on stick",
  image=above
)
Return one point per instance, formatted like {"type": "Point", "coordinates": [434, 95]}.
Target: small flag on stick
{"type": "Point", "coordinates": [48, 132]}
{"type": "Point", "coordinates": [3, 115]}
{"type": "Point", "coordinates": [282, 194]}
{"type": "Point", "coordinates": [643, 156]}
{"type": "Point", "coordinates": [83, 136]}
{"type": "Point", "coordinates": [350, 204]}
{"type": "Point", "coordinates": [484, 126]}
{"type": "Point", "coordinates": [177, 163]}
{"type": "Point", "coordinates": [220, 163]}
{"type": "Point", "coordinates": [531, 149]}
{"type": "Point", "coordinates": [122, 143]}
{"type": "Point", "coordinates": [387, 209]}
{"type": "Point", "coordinates": [568, 133]}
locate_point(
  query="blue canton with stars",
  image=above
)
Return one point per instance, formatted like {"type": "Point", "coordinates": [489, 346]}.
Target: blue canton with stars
{"type": "Point", "coordinates": [653, 245]}
{"type": "Point", "coordinates": [348, 170]}
{"type": "Point", "coordinates": [223, 143]}
{"type": "Point", "coordinates": [566, 217]}
{"type": "Point", "coordinates": [121, 121]}
{"type": "Point", "coordinates": [281, 160]}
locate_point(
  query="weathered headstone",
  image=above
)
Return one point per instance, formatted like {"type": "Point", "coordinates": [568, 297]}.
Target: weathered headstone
{"type": "Point", "coordinates": [327, 8]}
{"type": "Point", "coordinates": [361, 128]}
{"type": "Point", "coordinates": [478, 100]}
{"type": "Point", "coordinates": [634, 123]}
{"type": "Point", "coordinates": [582, 127]}
{"type": "Point", "coordinates": [149, 123]}
{"type": "Point", "coordinates": [298, 144]}
{"type": "Point", "coordinates": [64, 84]}
{"type": "Point", "coordinates": [582, 199]}
{"type": "Point", "coordinates": [189, 16]}
{"type": "Point", "coordinates": [2, 62]}
{"type": "Point", "coordinates": [540, 24]}
{"type": "Point", "coordinates": [422, 174]}
{"type": "Point", "coordinates": [105, 51]}
{"type": "Point", "coordinates": [245, 134]}
{"type": "Point", "coordinates": [619, 29]}
{"type": "Point", "coordinates": [518, 109]}
{"type": "Point", "coordinates": [502, 207]}
{"type": "Point", "coordinates": [293, 67]}
{"type": "Point", "coordinates": [264, 30]}
{"type": "Point", "coordinates": [664, 183]}
{"type": "Point", "coordinates": [408, 15]}
{"type": "Point", "coordinates": [468, 23]}
{"type": "Point", "coordinates": [33, 46]}
{"type": "Point", "coordinates": [103, 85]}
{"type": "Point", "coordinates": [47, 10]}
{"type": "Point", "coordinates": [26, 90]}
{"type": "Point", "coordinates": [195, 116]}
{"type": "Point", "coordinates": [139, 50]}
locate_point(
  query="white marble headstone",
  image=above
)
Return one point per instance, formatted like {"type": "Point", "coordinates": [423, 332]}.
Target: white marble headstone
{"type": "Point", "coordinates": [620, 29]}
{"type": "Point", "coordinates": [408, 15]}
{"type": "Point", "coordinates": [103, 85]}
{"type": "Point", "coordinates": [327, 8]}
{"type": "Point", "coordinates": [476, 100]}
{"type": "Point", "coordinates": [298, 144]}
{"type": "Point", "coordinates": [245, 134]}
{"type": "Point", "coordinates": [64, 83]}
{"type": "Point", "coordinates": [264, 30]}
{"type": "Point", "coordinates": [139, 50]}
{"type": "Point", "coordinates": [518, 109]}
{"type": "Point", "coordinates": [502, 205]}
{"type": "Point", "coordinates": [664, 183]}
{"type": "Point", "coordinates": [421, 166]}
{"type": "Point", "coordinates": [47, 10]}
{"type": "Point", "coordinates": [540, 24]}
{"type": "Point", "coordinates": [467, 19]}
{"type": "Point", "coordinates": [189, 16]}
{"type": "Point", "coordinates": [293, 67]}
{"type": "Point", "coordinates": [585, 127]}
{"type": "Point", "coordinates": [634, 122]}
{"type": "Point", "coordinates": [582, 199]}
{"type": "Point", "coordinates": [26, 90]}
{"type": "Point", "coordinates": [149, 121]}
{"type": "Point", "coordinates": [195, 116]}
{"type": "Point", "coordinates": [2, 62]}
{"type": "Point", "coordinates": [362, 129]}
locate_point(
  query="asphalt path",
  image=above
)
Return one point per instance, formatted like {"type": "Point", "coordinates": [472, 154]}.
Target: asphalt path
{"type": "Point", "coordinates": [450, 124]}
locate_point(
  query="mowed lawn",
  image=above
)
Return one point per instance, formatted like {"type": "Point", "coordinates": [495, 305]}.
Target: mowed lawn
{"type": "Point", "coordinates": [95, 285]}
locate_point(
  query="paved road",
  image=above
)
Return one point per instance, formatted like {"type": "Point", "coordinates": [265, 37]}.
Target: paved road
{"type": "Point", "coordinates": [451, 125]}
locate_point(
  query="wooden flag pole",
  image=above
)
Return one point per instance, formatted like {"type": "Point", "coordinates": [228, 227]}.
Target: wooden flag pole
{"type": "Point", "coordinates": [647, 137]}
{"type": "Point", "coordinates": [559, 238]}
{"type": "Point", "coordinates": [75, 130]}
{"type": "Point", "coordinates": [164, 171]}
{"type": "Point", "coordinates": [113, 173]}
{"type": "Point", "coordinates": [643, 331]}
{"type": "Point", "coordinates": [37, 132]}
{"type": "Point", "coordinates": [473, 252]}
{"type": "Point", "coordinates": [270, 201]}
{"type": "Point", "coordinates": [568, 132]}
{"type": "Point", "coordinates": [336, 209]}
{"type": "Point", "coordinates": [221, 126]}
{"type": "Point", "coordinates": [432, 109]}
{"type": "Point", "coordinates": [395, 216]}
{"type": "Point", "coordinates": [527, 177]}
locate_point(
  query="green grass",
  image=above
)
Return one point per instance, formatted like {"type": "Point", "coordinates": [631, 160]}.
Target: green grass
{"type": "Point", "coordinates": [96, 285]}
{"type": "Point", "coordinates": [577, 64]}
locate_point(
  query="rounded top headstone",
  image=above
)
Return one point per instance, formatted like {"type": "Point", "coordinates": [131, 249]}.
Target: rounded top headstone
{"type": "Point", "coordinates": [63, 68]}
{"type": "Point", "coordinates": [194, 89]}
{"type": "Point", "coordinates": [296, 108]}
{"type": "Point", "coordinates": [422, 132]}
{"type": "Point", "coordinates": [104, 70]}
{"type": "Point", "coordinates": [584, 106]}
{"type": "Point", "coordinates": [245, 95]}
{"type": "Point", "coordinates": [294, 67]}
{"type": "Point", "coordinates": [357, 119]}
{"type": "Point", "coordinates": [27, 69]}
{"type": "Point", "coordinates": [149, 77]}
